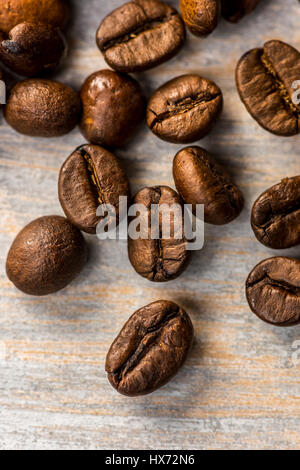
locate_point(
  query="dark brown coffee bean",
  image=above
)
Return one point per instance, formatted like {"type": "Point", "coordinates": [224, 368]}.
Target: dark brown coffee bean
{"type": "Point", "coordinates": [200, 16]}
{"type": "Point", "coordinates": [275, 216]}
{"type": "Point", "coordinates": [14, 12]}
{"type": "Point", "coordinates": [234, 10]}
{"type": "Point", "coordinates": [273, 291]}
{"type": "Point", "coordinates": [140, 35]}
{"type": "Point", "coordinates": [184, 109]}
{"type": "Point", "coordinates": [150, 349]}
{"type": "Point", "coordinates": [265, 80]}
{"type": "Point", "coordinates": [42, 108]}
{"type": "Point", "coordinates": [159, 260]}
{"type": "Point", "coordinates": [46, 256]}
{"type": "Point", "coordinates": [31, 49]}
{"type": "Point", "coordinates": [113, 108]}
{"type": "Point", "coordinates": [200, 180]}
{"type": "Point", "coordinates": [91, 176]}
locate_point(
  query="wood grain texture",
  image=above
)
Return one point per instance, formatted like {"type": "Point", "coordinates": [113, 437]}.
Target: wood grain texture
{"type": "Point", "coordinates": [239, 388]}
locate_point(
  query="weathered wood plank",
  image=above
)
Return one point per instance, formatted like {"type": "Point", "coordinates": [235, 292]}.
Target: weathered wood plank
{"type": "Point", "coordinates": [239, 388]}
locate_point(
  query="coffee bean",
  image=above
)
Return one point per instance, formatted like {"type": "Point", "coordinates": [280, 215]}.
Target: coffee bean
{"type": "Point", "coordinates": [32, 49]}
{"type": "Point", "coordinates": [273, 291]}
{"type": "Point", "coordinates": [265, 80]}
{"type": "Point", "coordinates": [159, 260]}
{"type": "Point", "coordinates": [200, 16]}
{"type": "Point", "coordinates": [91, 176]}
{"type": "Point", "coordinates": [184, 109]}
{"type": "Point", "coordinates": [113, 108]}
{"type": "Point", "coordinates": [200, 180]}
{"type": "Point", "coordinates": [46, 256]}
{"type": "Point", "coordinates": [150, 349]}
{"type": "Point", "coordinates": [140, 35]}
{"type": "Point", "coordinates": [275, 216]}
{"type": "Point", "coordinates": [14, 12]}
{"type": "Point", "coordinates": [234, 10]}
{"type": "Point", "coordinates": [42, 108]}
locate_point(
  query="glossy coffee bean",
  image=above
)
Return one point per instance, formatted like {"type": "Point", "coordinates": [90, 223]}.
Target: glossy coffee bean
{"type": "Point", "coordinates": [159, 260]}
{"type": "Point", "coordinates": [273, 291]}
{"type": "Point", "coordinates": [275, 215]}
{"type": "Point", "coordinates": [46, 256]}
{"type": "Point", "coordinates": [32, 49]}
{"type": "Point", "coordinates": [265, 80]}
{"type": "Point", "coordinates": [150, 349]}
{"type": "Point", "coordinates": [200, 180]}
{"type": "Point", "coordinates": [139, 35]}
{"type": "Point", "coordinates": [14, 12]}
{"type": "Point", "coordinates": [185, 109]}
{"type": "Point", "coordinates": [113, 108]}
{"type": "Point", "coordinates": [42, 108]}
{"type": "Point", "coordinates": [235, 10]}
{"type": "Point", "coordinates": [200, 16]}
{"type": "Point", "coordinates": [91, 176]}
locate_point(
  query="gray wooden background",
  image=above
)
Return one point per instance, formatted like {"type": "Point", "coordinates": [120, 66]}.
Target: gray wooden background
{"type": "Point", "coordinates": [240, 388]}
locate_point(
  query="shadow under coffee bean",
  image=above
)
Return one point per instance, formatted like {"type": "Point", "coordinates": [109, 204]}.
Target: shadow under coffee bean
{"type": "Point", "coordinates": [150, 349]}
{"type": "Point", "coordinates": [265, 79]}
{"type": "Point", "coordinates": [273, 291]}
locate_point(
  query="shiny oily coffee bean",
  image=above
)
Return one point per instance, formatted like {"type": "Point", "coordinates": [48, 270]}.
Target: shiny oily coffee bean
{"type": "Point", "coordinates": [46, 256]}
{"type": "Point", "coordinates": [265, 80]}
{"type": "Point", "coordinates": [275, 215]}
{"type": "Point", "coordinates": [273, 291]}
{"type": "Point", "coordinates": [184, 109]}
{"type": "Point", "coordinates": [14, 12]}
{"type": "Point", "coordinates": [139, 35]}
{"type": "Point", "coordinates": [91, 176]}
{"type": "Point", "coordinates": [200, 180]}
{"type": "Point", "coordinates": [113, 108]}
{"type": "Point", "coordinates": [159, 260]}
{"type": "Point", "coordinates": [31, 49]}
{"type": "Point", "coordinates": [150, 349]}
{"type": "Point", "coordinates": [42, 108]}
{"type": "Point", "coordinates": [200, 16]}
{"type": "Point", "coordinates": [235, 10]}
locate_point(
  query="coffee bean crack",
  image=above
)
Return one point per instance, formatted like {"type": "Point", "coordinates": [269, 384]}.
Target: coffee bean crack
{"type": "Point", "coordinates": [279, 85]}
{"type": "Point", "coordinates": [93, 178]}
{"type": "Point", "coordinates": [183, 106]}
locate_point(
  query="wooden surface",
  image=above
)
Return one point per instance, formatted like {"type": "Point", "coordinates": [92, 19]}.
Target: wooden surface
{"type": "Point", "coordinates": [240, 388]}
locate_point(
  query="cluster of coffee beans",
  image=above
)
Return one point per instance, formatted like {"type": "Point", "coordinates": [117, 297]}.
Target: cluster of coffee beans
{"type": "Point", "coordinates": [51, 251]}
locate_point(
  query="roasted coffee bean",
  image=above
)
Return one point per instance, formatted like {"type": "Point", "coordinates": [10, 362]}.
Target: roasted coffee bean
{"type": "Point", "coordinates": [140, 35]}
{"type": "Point", "coordinates": [14, 12]}
{"type": "Point", "coordinates": [32, 49]}
{"type": "Point", "coordinates": [184, 109]}
{"type": "Point", "coordinates": [200, 180]}
{"type": "Point", "coordinates": [162, 259]}
{"type": "Point", "coordinates": [150, 349]}
{"type": "Point", "coordinates": [273, 291]}
{"type": "Point", "coordinates": [91, 176]}
{"type": "Point", "coordinates": [46, 256]}
{"type": "Point", "coordinates": [113, 108]}
{"type": "Point", "coordinates": [265, 80]}
{"type": "Point", "coordinates": [42, 108]}
{"type": "Point", "coordinates": [275, 216]}
{"type": "Point", "coordinates": [234, 10]}
{"type": "Point", "coordinates": [200, 16]}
